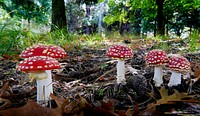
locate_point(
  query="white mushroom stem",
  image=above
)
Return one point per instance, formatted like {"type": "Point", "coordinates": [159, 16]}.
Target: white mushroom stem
{"type": "Point", "coordinates": [175, 79]}
{"type": "Point", "coordinates": [158, 76]}
{"type": "Point", "coordinates": [121, 72]}
{"type": "Point", "coordinates": [44, 87]}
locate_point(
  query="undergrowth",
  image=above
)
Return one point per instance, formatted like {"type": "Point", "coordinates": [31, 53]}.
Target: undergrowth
{"type": "Point", "coordinates": [14, 39]}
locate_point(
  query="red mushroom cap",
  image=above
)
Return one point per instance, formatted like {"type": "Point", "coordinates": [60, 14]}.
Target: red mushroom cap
{"type": "Point", "coordinates": [44, 50]}
{"type": "Point", "coordinates": [156, 57]}
{"type": "Point", "coordinates": [38, 63]}
{"type": "Point", "coordinates": [119, 51]}
{"type": "Point", "coordinates": [179, 63]}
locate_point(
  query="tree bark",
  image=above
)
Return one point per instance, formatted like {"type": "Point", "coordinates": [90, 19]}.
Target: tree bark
{"type": "Point", "coordinates": [137, 22]}
{"type": "Point", "coordinates": [160, 18]}
{"type": "Point", "coordinates": [87, 30]}
{"type": "Point", "coordinates": [58, 15]}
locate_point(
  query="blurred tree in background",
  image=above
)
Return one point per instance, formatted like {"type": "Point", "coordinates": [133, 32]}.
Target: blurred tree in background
{"type": "Point", "coordinates": [58, 15]}
{"type": "Point", "coordinates": [137, 17]}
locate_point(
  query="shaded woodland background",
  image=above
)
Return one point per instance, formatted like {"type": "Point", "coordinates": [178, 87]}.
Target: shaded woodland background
{"type": "Point", "coordinates": [138, 17]}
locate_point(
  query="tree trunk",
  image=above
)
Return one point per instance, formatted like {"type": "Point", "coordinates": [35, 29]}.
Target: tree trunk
{"type": "Point", "coordinates": [58, 15]}
{"type": "Point", "coordinates": [100, 18]}
{"type": "Point", "coordinates": [70, 22]}
{"type": "Point", "coordinates": [160, 18]}
{"type": "Point", "coordinates": [155, 31]}
{"type": "Point", "coordinates": [137, 22]}
{"type": "Point", "coordinates": [87, 16]}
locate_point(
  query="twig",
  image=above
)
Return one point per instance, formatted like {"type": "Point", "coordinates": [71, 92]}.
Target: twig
{"type": "Point", "coordinates": [107, 72]}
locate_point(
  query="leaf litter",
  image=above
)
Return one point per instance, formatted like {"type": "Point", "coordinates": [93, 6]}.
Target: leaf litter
{"type": "Point", "coordinates": [85, 85]}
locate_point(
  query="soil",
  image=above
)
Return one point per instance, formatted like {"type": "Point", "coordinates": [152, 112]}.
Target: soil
{"type": "Point", "coordinates": [92, 75]}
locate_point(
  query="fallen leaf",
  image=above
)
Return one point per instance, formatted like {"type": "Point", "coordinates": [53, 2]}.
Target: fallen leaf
{"type": "Point", "coordinates": [76, 106]}
{"type": "Point", "coordinates": [174, 97]}
{"type": "Point", "coordinates": [108, 105]}
{"type": "Point", "coordinates": [5, 103]}
{"type": "Point", "coordinates": [72, 108]}
{"type": "Point", "coordinates": [135, 46]}
{"type": "Point", "coordinates": [4, 89]}
{"type": "Point", "coordinates": [106, 108]}
{"type": "Point", "coordinates": [30, 109]}
{"type": "Point", "coordinates": [60, 102]}
{"type": "Point", "coordinates": [6, 56]}
{"type": "Point", "coordinates": [125, 113]}
{"type": "Point", "coordinates": [136, 111]}
{"type": "Point", "coordinates": [197, 70]}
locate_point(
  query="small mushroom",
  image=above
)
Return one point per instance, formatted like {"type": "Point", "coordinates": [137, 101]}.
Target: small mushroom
{"type": "Point", "coordinates": [40, 67]}
{"type": "Point", "coordinates": [44, 50]}
{"type": "Point", "coordinates": [157, 58]}
{"type": "Point", "coordinates": [178, 65]}
{"type": "Point", "coordinates": [121, 52]}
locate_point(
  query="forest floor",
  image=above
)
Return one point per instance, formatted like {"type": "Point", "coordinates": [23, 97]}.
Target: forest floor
{"type": "Point", "coordinates": [86, 85]}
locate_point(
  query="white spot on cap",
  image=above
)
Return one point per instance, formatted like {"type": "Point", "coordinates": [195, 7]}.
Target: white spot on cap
{"type": "Point", "coordinates": [30, 63]}
{"type": "Point", "coordinates": [39, 66]}
{"type": "Point", "coordinates": [45, 51]}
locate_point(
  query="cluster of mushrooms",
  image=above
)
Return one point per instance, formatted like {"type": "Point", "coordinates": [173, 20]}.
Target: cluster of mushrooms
{"type": "Point", "coordinates": [38, 61]}
{"type": "Point", "coordinates": [41, 59]}
{"type": "Point", "coordinates": [174, 62]}
{"type": "Point", "coordinates": [157, 58]}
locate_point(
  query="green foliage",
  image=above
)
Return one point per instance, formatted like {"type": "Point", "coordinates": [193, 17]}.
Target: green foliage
{"type": "Point", "coordinates": [177, 14]}
{"type": "Point", "coordinates": [14, 39]}
{"type": "Point", "coordinates": [60, 37]}
{"type": "Point", "coordinates": [182, 13]}
{"type": "Point", "coordinates": [92, 41]}
{"type": "Point", "coordinates": [38, 10]}
{"type": "Point", "coordinates": [117, 12]}
{"type": "Point", "coordinates": [193, 41]}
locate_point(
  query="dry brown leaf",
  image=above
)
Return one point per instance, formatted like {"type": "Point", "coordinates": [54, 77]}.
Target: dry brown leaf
{"type": "Point", "coordinates": [121, 113]}
{"type": "Point", "coordinates": [128, 112]}
{"type": "Point", "coordinates": [30, 109]}
{"type": "Point", "coordinates": [73, 108]}
{"type": "Point", "coordinates": [151, 111]}
{"type": "Point", "coordinates": [108, 105]}
{"type": "Point", "coordinates": [135, 46]}
{"type": "Point", "coordinates": [77, 106]}
{"type": "Point", "coordinates": [6, 56]}
{"type": "Point", "coordinates": [174, 97]}
{"type": "Point", "coordinates": [4, 89]}
{"type": "Point", "coordinates": [5, 103]}
{"type": "Point", "coordinates": [104, 112]}
{"type": "Point", "coordinates": [59, 101]}
{"type": "Point", "coordinates": [125, 113]}
{"type": "Point", "coordinates": [106, 108]}
{"type": "Point", "coordinates": [136, 110]}
{"type": "Point", "coordinates": [197, 70]}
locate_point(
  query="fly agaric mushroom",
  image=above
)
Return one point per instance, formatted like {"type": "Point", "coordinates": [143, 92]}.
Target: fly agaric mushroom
{"type": "Point", "coordinates": [178, 65]}
{"type": "Point", "coordinates": [41, 67]}
{"type": "Point", "coordinates": [157, 58]}
{"type": "Point", "coordinates": [121, 52]}
{"type": "Point", "coordinates": [44, 50]}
